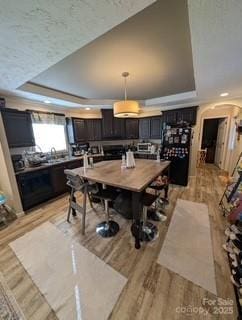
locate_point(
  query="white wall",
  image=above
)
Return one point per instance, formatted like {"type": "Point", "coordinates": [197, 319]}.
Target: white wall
{"type": "Point", "coordinates": [229, 109]}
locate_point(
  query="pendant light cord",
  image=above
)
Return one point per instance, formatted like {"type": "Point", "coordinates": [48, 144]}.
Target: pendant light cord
{"type": "Point", "coordinates": [125, 88]}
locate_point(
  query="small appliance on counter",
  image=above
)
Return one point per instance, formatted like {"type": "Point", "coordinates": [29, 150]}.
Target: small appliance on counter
{"type": "Point", "coordinates": [94, 150]}
{"type": "Point", "coordinates": [144, 147]}
{"type": "Point", "coordinates": [18, 162]}
{"type": "Point", "coordinates": [113, 152]}
{"type": "Point", "coordinates": [79, 149]}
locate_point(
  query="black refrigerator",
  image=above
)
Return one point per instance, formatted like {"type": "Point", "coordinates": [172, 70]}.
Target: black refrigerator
{"type": "Point", "coordinates": [176, 142]}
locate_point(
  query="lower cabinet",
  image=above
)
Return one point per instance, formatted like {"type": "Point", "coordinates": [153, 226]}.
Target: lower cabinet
{"type": "Point", "coordinates": [58, 177]}
{"type": "Point", "coordinates": [43, 184]}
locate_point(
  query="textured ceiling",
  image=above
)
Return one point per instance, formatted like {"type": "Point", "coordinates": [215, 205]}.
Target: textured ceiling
{"type": "Point", "coordinates": [36, 34]}
{"type": "Point", "coordinates": [154, 46]}
{"type": "Point", "coordinates": [216, 27]}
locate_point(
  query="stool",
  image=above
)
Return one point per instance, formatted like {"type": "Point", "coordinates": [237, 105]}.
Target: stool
{"type": "Point", "coordinates": [76, 183]}
{"type": "Point", "coordinates": [155, 215]}
{"type": "Point", "coordinates": [201, 157]}
{"type": "Point", "coordinates": [149, 230]}
{"type": "Point", "coordinates": [107, 228]}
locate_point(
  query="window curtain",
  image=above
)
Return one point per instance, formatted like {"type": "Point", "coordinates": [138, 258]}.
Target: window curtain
{"type": "Point", "coordinates": [48, 118]}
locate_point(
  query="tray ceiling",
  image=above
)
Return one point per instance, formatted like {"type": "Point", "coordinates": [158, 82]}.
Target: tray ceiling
{"type": "Point", "coordinates": [37, 34]}
{"type": "Point", "coordinates": [154, 46]}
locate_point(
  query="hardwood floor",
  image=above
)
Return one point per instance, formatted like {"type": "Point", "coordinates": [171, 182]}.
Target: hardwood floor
{"type": "Point", "coordinates": [152, 291]}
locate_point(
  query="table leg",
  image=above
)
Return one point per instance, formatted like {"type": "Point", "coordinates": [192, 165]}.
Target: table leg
{"type": "Point", "coordinates": [73, 210]}
{"type": "Point", "coordinates": [136, 210]}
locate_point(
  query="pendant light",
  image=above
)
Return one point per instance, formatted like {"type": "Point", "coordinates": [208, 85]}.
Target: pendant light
{"type": "Point", "coordinates": [125, 108]}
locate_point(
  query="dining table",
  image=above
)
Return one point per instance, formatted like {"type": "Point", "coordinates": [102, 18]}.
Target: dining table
{"type": "Point", "coordinates": [136, 180]}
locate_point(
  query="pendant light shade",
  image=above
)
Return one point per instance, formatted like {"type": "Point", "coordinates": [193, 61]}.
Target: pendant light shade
{"type": "Point", "coordinates": [125, 108]}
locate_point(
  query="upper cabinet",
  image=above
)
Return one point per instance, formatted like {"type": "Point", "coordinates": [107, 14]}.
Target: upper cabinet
{"type": "Point", "coordinates": [132, 128]}
{"type": "Point", "coordinates": [144, 128]}
{"type": "Point", "coordinates": [18, 128]}
{"type": "Point", "coordinates": [112, 128]}
{"type": "Point", "coordinates": [76, 130]}
{"type": "Point", "coordinates": [94, 129]}
{"type": "Point", "coordinates": [187, 115]}
{"type": "Point", "coordinates": [172, 117]}
{"type": "Point", "coordinates": [155, 128]}
{"type": "Point", "coordinates": [150, 128]}
{"type": "Point", "coordinates": [80, 130]}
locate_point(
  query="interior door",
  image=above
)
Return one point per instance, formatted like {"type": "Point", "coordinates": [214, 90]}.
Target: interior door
{"type": "Point", "coordinates": [220, 145]}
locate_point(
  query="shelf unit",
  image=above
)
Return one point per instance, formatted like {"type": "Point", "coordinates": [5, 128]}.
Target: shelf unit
{"type": "Point", "coordinates": [233, 190]}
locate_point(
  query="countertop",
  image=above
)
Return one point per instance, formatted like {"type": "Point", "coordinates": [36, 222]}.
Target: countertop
{"type": "Point", "coordinates": [61, 161]}
{"type": "Point", "coordinates": [135, 179]}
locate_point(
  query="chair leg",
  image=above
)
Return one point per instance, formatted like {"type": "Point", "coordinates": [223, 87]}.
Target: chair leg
{"type": "Point", "coordinates": [84, 211]}
{"type": "Point", "coordinates": [145, 215]}
{"type": "Point", "coordinates": [90, 201]}
{"type": "Point", "coordinates": [69, 209]}
{"type": "Point", "coordinates": [106, 207]}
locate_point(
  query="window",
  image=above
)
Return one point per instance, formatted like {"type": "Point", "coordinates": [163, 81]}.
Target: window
{"type": "Point", "coordinates": [49, 132]}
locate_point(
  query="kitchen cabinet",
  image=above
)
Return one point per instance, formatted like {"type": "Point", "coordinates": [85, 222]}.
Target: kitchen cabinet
{"type": "Point", "coordinates": [58, 177]}
{"type": "Point", "coordinates": [169, 117]}
{"type": "Point", "coordinates": [187, 115]}
{"type": "Point", "coordinates": [132, 128]}
{"type": "Point", "coordinates": [119, 128]}
{"type": "Point", "coordinates": [107, 124]}
{"type": "Point", "coordinates": [34, 187]}
{"type": "Point", "coordinates": [112, 128]}
{"type": "Point", "coordinates": [43, 184]}
{"type": "Point", "coordinates": [172, 117]}
{"type": "Point", "coordinates": [155, 128]}
{"type": "Point", "coordinates": [144, 128]}
{"type": "Point", "coordinates": [76, 130]}
{"type": "Point", "coordinates": [18, 128]}
{"type": "Point", "coordinates": [94, 129]}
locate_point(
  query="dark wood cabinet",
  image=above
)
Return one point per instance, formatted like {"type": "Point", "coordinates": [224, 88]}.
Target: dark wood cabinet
{"type": "Point", "coordinates": [43, 184]}
{"type": "Point", "coordinates": [169, 117]}
{"type": "Point", "coordinates": [58, 179]}
{"type": "Point", "coordinates": [132, 128]}
{"type": "Point", "coordinates": [107, 124]}
{"type": "Point", "coordinates": [144, 128]}
{"type": "Point", "coordinates": [119, 128]}
{"type": "Point", "coordinates": [172, 117]}
{"type": "Point", "coordinates": [94, 129]}
{"type": "Point", "coordinates": [112, 128]}
{"type": "Point", "coordinates": [187, 115]}
{"type": "Point", "coordinates": [18, 128]}
{"type": "Point", "coordinates": [79, 130]}
{"type": "Point", "coordinates": [76, 130]}
{"type": "Point", "coordinates": [155, 128]}
{"type": "Point", "coordinates": [34, 187]}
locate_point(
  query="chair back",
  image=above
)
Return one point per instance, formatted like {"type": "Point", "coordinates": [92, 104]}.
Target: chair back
{"type": "Point", "coordinates": [75, 181]}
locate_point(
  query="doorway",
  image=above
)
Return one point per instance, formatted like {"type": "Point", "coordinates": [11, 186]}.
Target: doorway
{"type": "Point", "coordinates": [213, 139]}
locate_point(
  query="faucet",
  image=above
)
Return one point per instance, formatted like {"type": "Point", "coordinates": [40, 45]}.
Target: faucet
{"type": "Point", "coordinates": [53, 153]}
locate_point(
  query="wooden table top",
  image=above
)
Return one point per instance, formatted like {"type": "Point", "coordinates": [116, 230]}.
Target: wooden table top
{"type": "Point", "coordinates": [111, 174]}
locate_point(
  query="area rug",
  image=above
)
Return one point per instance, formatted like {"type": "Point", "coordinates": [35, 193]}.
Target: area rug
{"type": "Point", "coordinates": [76, 283]}
{"type": "Point", "coordinates": [9, 309]}
{"type": "Point", "coordinates": [187, 249]}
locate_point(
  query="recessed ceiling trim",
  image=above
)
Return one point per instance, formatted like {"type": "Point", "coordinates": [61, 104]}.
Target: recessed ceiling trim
{"type": "Point", "coordinates": [172, 98]}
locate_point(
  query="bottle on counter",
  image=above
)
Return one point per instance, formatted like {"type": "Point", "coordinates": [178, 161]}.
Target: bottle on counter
{"type": "Point", "coordinates": [85, 161]}
{"type": "Point", "coordinates": [123, 163]}
{"type": "Point", "coordinates": [158, 155]}
{"type": "Point", "coordinates": [91, 162]}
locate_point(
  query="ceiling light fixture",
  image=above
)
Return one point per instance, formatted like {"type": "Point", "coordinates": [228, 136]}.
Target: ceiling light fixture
{"type": "Point", "coordinates": [47, 101]}
{"type": "Point", "coordinates": [224, 94]}
{"type": "Point", "coordinates": [125, 108]}
{"type": "Point", "coordinates": [87, 108]}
